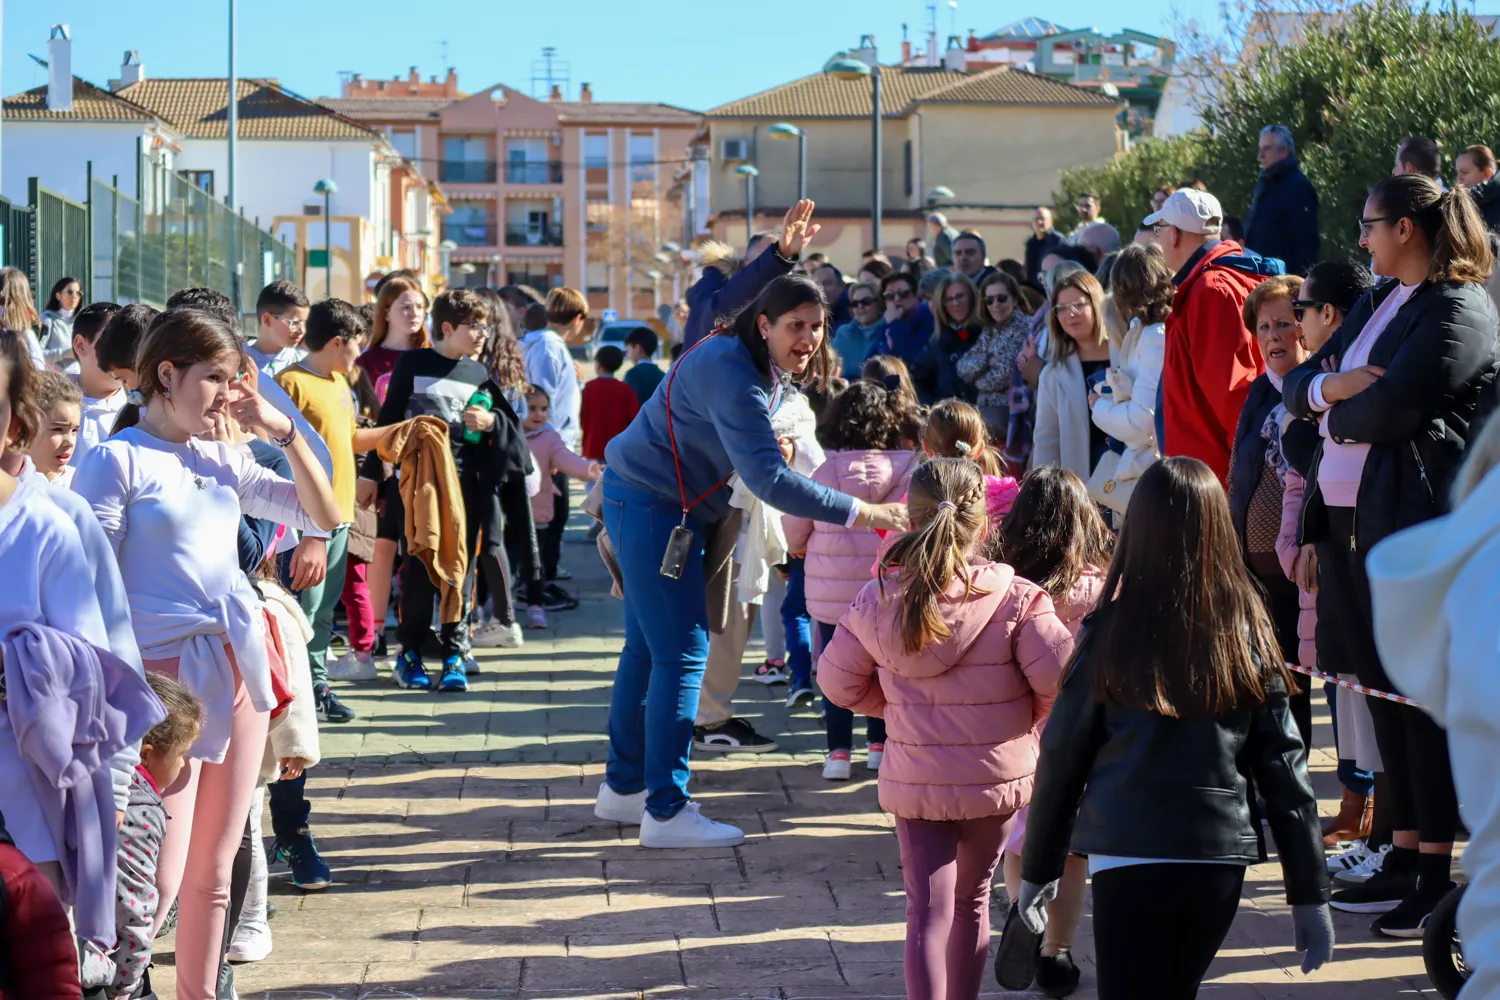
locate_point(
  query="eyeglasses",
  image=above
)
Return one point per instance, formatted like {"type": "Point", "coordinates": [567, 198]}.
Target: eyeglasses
{"type": "Point", "coordinates": [294, 325]}
{"type": "Point", "coordinates": [1077, 308]}
{"type": "Point", "coordinates": [897, 296]}
{"type": "Point", "coordinates": [1300, 306]}
{"type": "Point", "coordinates": [861, 303]}
{"type": "Point", "coordinates": [1364, 224]}
{"type": "Point", "coordinates": [996, 300]}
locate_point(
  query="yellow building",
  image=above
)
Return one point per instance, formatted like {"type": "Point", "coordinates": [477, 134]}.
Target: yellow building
{"type": "Point", "coordinates": [998, 139]}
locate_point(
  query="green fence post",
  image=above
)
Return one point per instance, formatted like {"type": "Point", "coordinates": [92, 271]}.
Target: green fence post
{"type": "Point", "coordinates": [33, 198]}
{"type": "Point", "coordinates": [88, 229]}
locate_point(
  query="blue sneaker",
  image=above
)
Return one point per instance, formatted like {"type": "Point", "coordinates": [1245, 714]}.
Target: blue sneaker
{"type": "Point", "coordinates": [409, 672]}
{"type": "Point", "coordinates": [309, 871]}
{"type": "Point", "coordinates": [455, 675]}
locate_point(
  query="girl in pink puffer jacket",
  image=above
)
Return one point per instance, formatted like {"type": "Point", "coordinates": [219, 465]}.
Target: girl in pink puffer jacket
{"type": "Point", "coordinates": [862, 432]}
{"type": "Point", "coordinates": [961, 657]}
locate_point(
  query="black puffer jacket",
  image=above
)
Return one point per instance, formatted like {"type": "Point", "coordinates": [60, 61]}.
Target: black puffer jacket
{"type": "Point", "coordinates": [935, 374]}
{"type": "Point", "coordinates": [1487, 198]}
{"type": "Point", "coordinates": [1440, 358]}
{"type": "Point", "coordinates": [1130, 783]}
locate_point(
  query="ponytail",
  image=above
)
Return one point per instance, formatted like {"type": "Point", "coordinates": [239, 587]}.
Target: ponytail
{"type": "Point", "coordinates": [130, 413]}
{"type": "Point", "coordinates": [1450, 221]}
{"type": "Point", "coordinates": [946, 502]}
{"type": "Point", "coordinates": [956, 430]}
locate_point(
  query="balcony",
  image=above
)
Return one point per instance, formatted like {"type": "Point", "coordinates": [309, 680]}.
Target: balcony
{"type": "Point", "coordinates": [467, 171]}
{"type": "Point", "coordinates": [526, 235]}
{"type": "Point", "coordinates": [470, 234]}
{"type": "Point", "coordinates": [533, 172]}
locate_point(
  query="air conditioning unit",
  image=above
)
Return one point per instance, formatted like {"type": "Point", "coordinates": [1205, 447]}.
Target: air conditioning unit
{"type": "Point", "coordinates": [734, 149]}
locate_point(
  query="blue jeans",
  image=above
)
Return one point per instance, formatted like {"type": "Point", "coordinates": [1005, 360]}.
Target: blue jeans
{"type": "Point", "coordinates": [655, 698]}
{"type": "Point", "coordinates": [839, 722]}
{"type": "Point", "coordinates": [797, 626]}
{"type": "Point", "coordinates": [1350, 776]}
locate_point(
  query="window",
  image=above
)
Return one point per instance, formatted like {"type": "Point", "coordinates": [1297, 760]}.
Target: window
{"type": "Point", "coordinates": [642, 157]}
{"type": "Point", "coordinates": [463, 149]}
{"type": "Point", "coordinates": [596, 152]}
{"type": "Point", "coordinates": [405, 143]}
{"type": "Point", "coordinates": [598, 276]}
{"type": "Point", "coordinates": [203, 180]}
{"type": "Point", "coordinates": [597, 215]}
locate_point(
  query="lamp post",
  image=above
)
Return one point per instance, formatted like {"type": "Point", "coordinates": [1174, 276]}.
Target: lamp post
{"type": "Point", "coordinates": [786, 130]}
{"type": "Point", "coordinates": [445, 252]}
{"type": "Point", "coordinates": [326, 187]}
{"type": "Point", "coordinates": [938, 193]}
{"type": "Point", "coordinates": [749, 171]}
{"type": "Point", "coordinates": [849, 68]}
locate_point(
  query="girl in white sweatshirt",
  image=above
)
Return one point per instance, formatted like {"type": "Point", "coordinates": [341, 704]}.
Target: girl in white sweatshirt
{"type": "Point", "coordinates": [169, 491]}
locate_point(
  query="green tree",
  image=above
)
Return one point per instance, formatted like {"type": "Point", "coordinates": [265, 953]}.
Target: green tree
{"type": "Point", "coordinates": [1125, 184]}
{"type": "Point", "coordinates": [1355, 83]}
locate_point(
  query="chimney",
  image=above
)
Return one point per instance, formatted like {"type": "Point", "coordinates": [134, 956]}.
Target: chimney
{"type": "Point", "coordinates": [131, 70]}
{"type": "Point", "coordinates": [866, 52]}
{"type": "Point", "coordinates": [60, 69]}
{"type": "Point", "coordinates": [556, 94]}
{"type": "Point", "coordinates": [956, 58]}
{"type": "Point", "coordinates": [413, 76]}
{"type": "Point", "coordinates": [973, 41]}
{"type": "Point", "coordinates": [905, 51]}
{"type": "Point", "coordinates": [586, 93]}
{"type": "Point", "coordinates": [450, 83]}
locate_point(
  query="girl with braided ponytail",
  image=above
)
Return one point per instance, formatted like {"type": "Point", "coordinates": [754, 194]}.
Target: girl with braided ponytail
{"type": "Point", "coordinates": [961, 658]}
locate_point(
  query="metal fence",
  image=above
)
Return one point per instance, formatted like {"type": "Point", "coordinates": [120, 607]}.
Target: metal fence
{"type": "Point", "coordinates": [142, 248]}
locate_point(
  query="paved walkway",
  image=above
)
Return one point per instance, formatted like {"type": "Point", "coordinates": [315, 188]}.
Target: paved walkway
{"type": "Point", "coordinates": [469, 863]}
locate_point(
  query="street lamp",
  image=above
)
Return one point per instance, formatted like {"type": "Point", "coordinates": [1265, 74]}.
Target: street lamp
{"type": "Point", "coordinates": [749, 171]}
{"type": "Point", "coordinates": [445, 251]}
{"type": "Point", "coordinates": [849, 68]}
{"type": "Point", "coordinates": [786, 130]}
{"type": "Point", "coordinates": [326, 187]}
{"type": "Point", "coordinates": [938, 193]}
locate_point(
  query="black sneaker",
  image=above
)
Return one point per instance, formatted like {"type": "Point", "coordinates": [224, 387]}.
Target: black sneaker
{"type": "Point", "coordinates": [1017, 954]}
{"type": "Point", "coordinates": [1383, 892]}
{"type": "Point", "coordinates": [554, 598]}
{"type": "Point", "coordinates": [732, 736]}
{"type": "Point", "coordinates": [330, 709]}
{"type": "Point", "coordinates": [1409, 918]}
{"type": "Point", "coordinates": [1057, 975]}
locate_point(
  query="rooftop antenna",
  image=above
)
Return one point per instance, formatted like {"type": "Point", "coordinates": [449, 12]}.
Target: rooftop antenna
{"type": "Point", "coordinates": [953, 17]}
{"type": "Point", "coordinates": [444, 44]}
{"type": "Point", "coordinates": [548, 72]}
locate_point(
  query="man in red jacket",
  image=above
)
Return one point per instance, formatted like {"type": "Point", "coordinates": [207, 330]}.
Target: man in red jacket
{"type": "Point", "coordinates": [1211, 357]}
{"type": "Point", "coordinates": [38, 960]}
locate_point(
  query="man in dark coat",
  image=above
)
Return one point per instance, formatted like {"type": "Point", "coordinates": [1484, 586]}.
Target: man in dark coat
{"type": "Point", "coordinates": [1044, 240]}
{"type": "Point", "coordinates": [1283, 217]}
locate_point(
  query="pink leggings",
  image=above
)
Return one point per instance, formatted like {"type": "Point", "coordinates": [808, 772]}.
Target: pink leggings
{"type": "Point", "coordinates": [208, 806]}
{"type": "Point", "coordinates": [356, 598]}
{"type": "Point", "coordinates": [947, 868]}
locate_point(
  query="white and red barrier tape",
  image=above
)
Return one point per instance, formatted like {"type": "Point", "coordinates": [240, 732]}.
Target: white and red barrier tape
{"type": "Point", "coordinates": [1368, 692]}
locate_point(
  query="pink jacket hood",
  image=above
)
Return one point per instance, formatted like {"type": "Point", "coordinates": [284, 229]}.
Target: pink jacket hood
{"type": "Point", "coordinates": [966, 619]}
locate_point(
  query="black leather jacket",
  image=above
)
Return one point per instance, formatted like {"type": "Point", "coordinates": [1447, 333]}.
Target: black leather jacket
{"type": "Point", "coordinates": [1135, 784]}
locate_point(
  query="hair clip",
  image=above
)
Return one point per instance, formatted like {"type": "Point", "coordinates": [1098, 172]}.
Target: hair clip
{"type": "Point", "coordinates": [963, 447]}
{"type": "Point", "coordinates": [891, 382]}
{"type": "Point", "coordinates": [135, 397]}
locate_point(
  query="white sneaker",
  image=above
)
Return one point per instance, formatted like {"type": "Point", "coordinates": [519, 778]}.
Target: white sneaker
{"type": "Point", "coordinates": [1349, 859]}
{"type": "Point", "coordinates": [689, 828]}
{"type": "Point", "coordinates": [875, 757]}
{"type": "Point", "coordinates": [352, 666]}
{"type": "Point", "coordinates": [252, 943]}
{"type": "Point", "coordinates": [613, 806]}
{"type": "Point", "coordinates": [493, 634]}
{"type": "Point", "coordinates": [1367, 869]}
{"type": "Point", "coordinates": [837, 766]}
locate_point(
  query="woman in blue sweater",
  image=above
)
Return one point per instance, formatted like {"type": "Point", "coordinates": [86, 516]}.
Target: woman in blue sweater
{"type": "Point", "coordinates": [665, 488]}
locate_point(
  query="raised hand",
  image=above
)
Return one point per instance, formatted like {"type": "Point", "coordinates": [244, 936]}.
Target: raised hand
{"type": "Point", "coordinates": [797, 229]}
{"type": "Point", "coordinates": [254, 414]}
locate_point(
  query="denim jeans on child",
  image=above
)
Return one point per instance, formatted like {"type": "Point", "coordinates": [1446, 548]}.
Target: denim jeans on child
{"type": "Point", "coordinates": [655, 698]}
{"type": "Point", "coordinates": [839, 722]}
{"type": "Point", "coordinates": [797, 626]}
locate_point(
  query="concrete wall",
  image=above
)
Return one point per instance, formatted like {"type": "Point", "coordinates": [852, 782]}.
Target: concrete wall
{"type": "Point", "coordinates": [1011, 155]}
{"type": "Point", "coordinates": [276, 178]}
{"type": "Point", "coordinates": [57, 153]}
{"type": "Point", "coordinates": [838, 163]}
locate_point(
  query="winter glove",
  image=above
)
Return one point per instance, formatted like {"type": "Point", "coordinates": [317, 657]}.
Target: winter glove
{"type": "Point", "coordinates": [1312, 933]}
{"type": "Point", "coordinates": [1032, 906]}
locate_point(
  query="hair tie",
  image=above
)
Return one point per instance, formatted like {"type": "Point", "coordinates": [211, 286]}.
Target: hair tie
{"type": "Point", "coordinates": [135, 397]}
{"type": "Point", "coordinates": [963, 447]}
{"type": "Point", "coordinates": [948, 505]}
{"type": "Point", "coordinates": [891, 382]}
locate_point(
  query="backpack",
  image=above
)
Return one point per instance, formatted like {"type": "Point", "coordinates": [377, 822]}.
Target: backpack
{"type": "Point", "coordinates": [1251, 262]}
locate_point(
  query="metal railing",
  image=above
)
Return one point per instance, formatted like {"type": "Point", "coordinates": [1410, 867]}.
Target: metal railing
{"type": "Point", "coordinates": [470, 234]}
{"type": "Point", "coordinates": [60, 247]}
{"type": "Point", "coordinates": [526, 235]}
{"type": "Point", "coordinates": [467, 171]}
{"type": "Point", "coordinates": [533, 172]}
{"type": "Point", "coordinates": [17, 240]}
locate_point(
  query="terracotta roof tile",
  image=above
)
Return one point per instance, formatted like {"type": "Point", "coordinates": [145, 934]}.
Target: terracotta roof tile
{"type": "Point", "coordinates": [822, 96]}
{"type": "Point", "coordinates": [90, 103]}
{"type": "Point", "coordinates": [199, 109]}
{"type": "Point", "coordinates": [387, 109]}
{"type": "Point", "coordinates": [616, 112]}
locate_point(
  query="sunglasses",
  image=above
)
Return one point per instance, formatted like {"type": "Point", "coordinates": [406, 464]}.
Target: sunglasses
{"type": "Point", "coordinates": [1300, 306]}
{"type": "Point", "coordinates": [996, 300]}
{"type": "Point", "coordinates": [897, 296]}
{"type": "Point", "coordinates": [858, 303]}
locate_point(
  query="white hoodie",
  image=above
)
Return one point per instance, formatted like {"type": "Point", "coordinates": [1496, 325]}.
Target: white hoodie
{"type": "Point", "coordinates": [1435, 588]}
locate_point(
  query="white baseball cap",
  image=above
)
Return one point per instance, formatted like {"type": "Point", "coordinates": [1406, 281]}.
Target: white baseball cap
{"type": "Point", "coordinates": [1190, 210]}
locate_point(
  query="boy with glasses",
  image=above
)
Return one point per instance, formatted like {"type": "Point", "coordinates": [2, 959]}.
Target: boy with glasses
{"type": "Point", "coordinates": [282, 308]}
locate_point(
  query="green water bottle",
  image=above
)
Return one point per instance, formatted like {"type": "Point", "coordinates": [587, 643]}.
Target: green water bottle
{"type": "Point", "coordinates": [481, 399]}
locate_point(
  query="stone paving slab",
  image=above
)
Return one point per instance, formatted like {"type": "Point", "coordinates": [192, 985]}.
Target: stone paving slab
{"type": "Point", "coordinates": [468, 862]}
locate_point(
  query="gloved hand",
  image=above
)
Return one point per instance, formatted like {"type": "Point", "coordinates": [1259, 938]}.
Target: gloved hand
{"type": "Point", "coordinates": [1032, 905]}
{"type": "Point", "coordinates": [1313, 934]}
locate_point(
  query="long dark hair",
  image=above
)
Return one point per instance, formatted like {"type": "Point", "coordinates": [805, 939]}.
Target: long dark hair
{"type": "Point", "coordinates": [18, 377]}
{"type": "Point", "coordinates": [1450, 221]}
{"type": "Point", "coordinates": [502, 352]}
{"type": "Point", "coordinates": [1181, 629]}
{"type": "Point", "coordinates": [1053, 533]}
{"type": "Point", "coordinates": [781, 296]}
{"type": "Point", "coordinates": [865, 417]}
{"type": "Point", "coordinates": [53, 302]}
{"type": "Point", "coordinates": [183, 337]}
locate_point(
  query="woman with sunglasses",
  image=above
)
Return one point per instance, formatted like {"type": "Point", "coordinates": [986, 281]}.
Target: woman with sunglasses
{"type": "Point", "coordinates": [57, 319]}
{"type": "Point", "coordinates": [1398, 388]}
{"type": "Point", "coordinates": [853, 340]}
{"type": "Point", "coordinates": [989, 366]}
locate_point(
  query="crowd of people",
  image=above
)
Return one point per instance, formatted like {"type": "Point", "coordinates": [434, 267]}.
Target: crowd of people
{"type": "Point", "coordinates": [1069, 532]}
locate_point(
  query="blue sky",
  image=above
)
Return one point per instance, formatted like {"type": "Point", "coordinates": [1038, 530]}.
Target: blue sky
{"type": "Point", "coordinates": [693, 55]}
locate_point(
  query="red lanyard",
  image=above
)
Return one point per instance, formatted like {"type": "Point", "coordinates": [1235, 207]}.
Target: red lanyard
{"type": "Point", "coordinates": [672, 433]}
